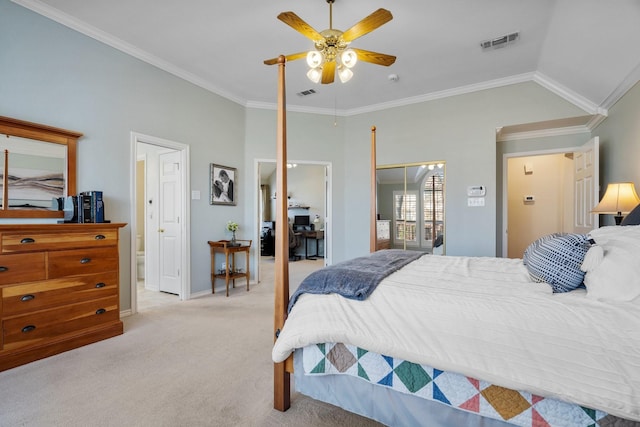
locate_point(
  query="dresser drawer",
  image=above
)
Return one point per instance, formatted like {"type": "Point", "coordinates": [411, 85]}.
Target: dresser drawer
{"type": "Point", "coordinates": [82, 261]}
{"type": "Point", "coordinates": [20, 299]}
{"type": "Point", "coordinates": [29, 242]}
{"type": "Point", "coordinates": [30, 329]}
{"type": "Point", "coordinates": [22, 268]}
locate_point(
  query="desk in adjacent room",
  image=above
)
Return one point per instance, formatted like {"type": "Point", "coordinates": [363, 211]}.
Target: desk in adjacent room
{"type": "Point", "coordinates": [316, 235]}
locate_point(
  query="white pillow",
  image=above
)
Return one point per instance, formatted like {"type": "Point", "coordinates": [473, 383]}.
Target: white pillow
{"type": "Point", "coordinates": [617, 276]}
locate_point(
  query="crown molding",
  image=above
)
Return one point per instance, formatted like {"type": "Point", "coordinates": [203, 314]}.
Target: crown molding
{"type": "Point", "coordinates": [595, 121]}
{"type": "Point", "coordinates": [462, 90]}
{"type": "Point", "coordinates": [623, 87]}
{"type": "Point", "coordinates": [568, 95]}
{"type": "Point", "coordinates": [108, 39]}
{"type": "Point", "coordinates": [543, 133]}
{"type": "Point", "coordinates": [537, 77]}
{"type": "Point", "coordinates": [296, 108]}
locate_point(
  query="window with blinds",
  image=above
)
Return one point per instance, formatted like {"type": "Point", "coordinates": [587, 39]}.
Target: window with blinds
{"type": "Point", "coordinates": [406, 214]}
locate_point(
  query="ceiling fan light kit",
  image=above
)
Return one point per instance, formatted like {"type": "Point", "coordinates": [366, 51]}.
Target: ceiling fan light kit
{"type": "Point", "coordinates": [332, 53]}
{"type": "Point", "coordinates": [314, 74]}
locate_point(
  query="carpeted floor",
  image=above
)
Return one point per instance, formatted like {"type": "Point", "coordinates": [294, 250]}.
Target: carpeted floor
{"type": "Point", "coordinates": [202, 362]}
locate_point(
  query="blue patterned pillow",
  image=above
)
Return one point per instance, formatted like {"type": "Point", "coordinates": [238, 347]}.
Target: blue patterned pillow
{"type": "Point", "coordinates": [556, 260]}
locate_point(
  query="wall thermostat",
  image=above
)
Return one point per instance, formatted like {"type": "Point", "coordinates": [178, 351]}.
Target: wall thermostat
{"type": "Point", "coordinates": [476, 191]}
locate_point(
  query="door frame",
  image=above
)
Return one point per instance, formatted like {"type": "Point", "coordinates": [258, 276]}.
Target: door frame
{"type": "Point", "coordinates": [185, 213]}
{"type": "Point", "coordinates": [505, 177]}
{"type": "Point", "coordinates": [328, 235]}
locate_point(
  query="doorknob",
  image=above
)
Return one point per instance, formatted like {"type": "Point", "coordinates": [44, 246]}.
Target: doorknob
{"type": "Point", "coordinates": [160, 230]}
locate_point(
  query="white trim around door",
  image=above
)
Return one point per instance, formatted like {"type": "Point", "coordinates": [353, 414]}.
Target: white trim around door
{"type": "Point", "coordinates": [327, 221]}
{"type": "Point", "coordinates": [185, 266]}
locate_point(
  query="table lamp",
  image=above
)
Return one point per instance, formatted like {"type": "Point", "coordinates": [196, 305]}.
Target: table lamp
{"type": "Point", "coordinates": [620, 198]}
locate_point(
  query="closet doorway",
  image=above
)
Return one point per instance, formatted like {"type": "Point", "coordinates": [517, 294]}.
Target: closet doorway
{"type": "Point", "coordinates": [547, 192]}
{"type": "Point", "coordinates": [160, 232]}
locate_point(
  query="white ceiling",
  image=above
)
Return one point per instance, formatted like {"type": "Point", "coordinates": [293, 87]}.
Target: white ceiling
{"type": "Point", "coordinates": [587, 51]}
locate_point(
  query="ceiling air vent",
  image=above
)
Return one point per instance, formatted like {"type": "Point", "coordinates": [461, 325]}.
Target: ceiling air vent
{"type": "Point", "coordinates": [499, 42]}
{"type": "Point", "coordinates": [306, 92]}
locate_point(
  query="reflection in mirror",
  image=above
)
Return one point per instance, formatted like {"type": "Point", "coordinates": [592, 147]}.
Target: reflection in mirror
{"type": "Point", "coordinates": [39, 162]}
{"type": "Point", "coordinates": [36, 172]}
{"type": "Point", "coordinates": [410, 207]}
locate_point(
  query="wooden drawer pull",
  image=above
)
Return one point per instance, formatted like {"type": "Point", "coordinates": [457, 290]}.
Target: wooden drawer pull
{"type": "Point", "coordinates": [101, 285]}
{"type": "Point", "coordinates": [28, 240]}
{"type": "Point", "coordinates": [3, 268]}
{"type": "Point", "coordinates": [27, 297]}
{"type": "Point", "coordinates": [100, 237]}
{"type": "Point", "coordinates": [101, 311]}
{"type": "Point", "coordinates": [85, 260]}
{"type": "Point", "coordinates": [28, 329]}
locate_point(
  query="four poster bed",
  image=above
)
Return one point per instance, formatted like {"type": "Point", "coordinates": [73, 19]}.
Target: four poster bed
{"type": "Point", "coordinates": [410, 339]}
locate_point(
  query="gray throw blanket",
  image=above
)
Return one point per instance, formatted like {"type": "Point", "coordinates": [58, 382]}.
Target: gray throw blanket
{"type": "Point", "coordinates": [356, 278]}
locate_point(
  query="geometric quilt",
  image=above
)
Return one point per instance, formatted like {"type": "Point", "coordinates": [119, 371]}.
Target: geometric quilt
{"type": "Point", "coordinates": [516, 407]}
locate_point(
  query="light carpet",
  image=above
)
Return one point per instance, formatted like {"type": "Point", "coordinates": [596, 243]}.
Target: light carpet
{"type": "Point", "coordinates": [202, 362]}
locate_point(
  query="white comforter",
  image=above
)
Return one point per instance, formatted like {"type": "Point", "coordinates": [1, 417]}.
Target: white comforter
{"type": "Point", "coordinates": [484, 318]}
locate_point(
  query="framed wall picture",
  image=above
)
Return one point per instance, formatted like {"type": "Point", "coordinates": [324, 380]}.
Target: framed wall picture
{"type": "Point", "coordinates": [223, 185]}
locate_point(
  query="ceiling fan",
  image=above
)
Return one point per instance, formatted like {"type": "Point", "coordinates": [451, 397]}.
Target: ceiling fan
{"type": "Point", "coordinates": [332, 50]}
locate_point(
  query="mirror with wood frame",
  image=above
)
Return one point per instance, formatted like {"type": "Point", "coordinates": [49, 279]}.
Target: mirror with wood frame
{"type": "Point", "coordinates": [38, 164]}
{"type": "Point", "coordinates": [410, 207]}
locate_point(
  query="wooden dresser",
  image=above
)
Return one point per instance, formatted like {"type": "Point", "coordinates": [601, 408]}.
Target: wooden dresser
{"type": "Point", "coordinates": [59, 288]}
{"type": "Point", "coordinates": [383, 234]}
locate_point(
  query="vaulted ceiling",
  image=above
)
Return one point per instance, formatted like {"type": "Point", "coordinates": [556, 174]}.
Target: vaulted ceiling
{"type": "Point", "coordinates": [587, 51]}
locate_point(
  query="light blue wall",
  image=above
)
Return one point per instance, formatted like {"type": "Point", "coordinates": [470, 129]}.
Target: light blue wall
{"type": "Point", "coordinates": [460, 130]}
{"type": "Point", "coordinates": [53, 75]}
{"type": "Point", "coordinates": [620, 144]}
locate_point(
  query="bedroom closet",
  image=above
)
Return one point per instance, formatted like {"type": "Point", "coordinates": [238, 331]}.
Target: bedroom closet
{"type": "Point", "coordinates": [410, 200]}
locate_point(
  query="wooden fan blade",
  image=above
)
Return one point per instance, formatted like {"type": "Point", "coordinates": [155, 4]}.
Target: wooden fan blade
{"type": "Point", "coordinates": [295, 22]}
{"type": "Point", "coordinates": [328, 72]}
{"type": "Point", "coordinates": [291, 57]}
{"type": "Point", "coordinates": [374, 57]}
{"type": "Point", "coordinates": [368, 24]}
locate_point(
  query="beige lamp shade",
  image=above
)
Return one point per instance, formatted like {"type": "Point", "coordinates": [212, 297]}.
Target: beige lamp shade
{"type": "Point", "coordinates": [620, 198]}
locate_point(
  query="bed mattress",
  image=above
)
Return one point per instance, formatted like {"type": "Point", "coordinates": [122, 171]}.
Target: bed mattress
{"type": "Point", "coordinates": [484, 318]}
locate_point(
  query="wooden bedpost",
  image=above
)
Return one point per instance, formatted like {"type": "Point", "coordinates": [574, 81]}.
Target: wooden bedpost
{"type": "Point", "coordinates": [281, 380]}
{"type": "Point", "coordinates": [372, 225]}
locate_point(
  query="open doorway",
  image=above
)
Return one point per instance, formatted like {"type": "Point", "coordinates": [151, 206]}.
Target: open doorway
{"type": "Point", "coordinates": [160, 230]}
{"type": "Point", "coordinates": [308, 200]}
{"type": "Point", "coordinates": [547, 192]}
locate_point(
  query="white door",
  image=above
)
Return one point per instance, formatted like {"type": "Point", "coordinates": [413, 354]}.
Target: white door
{"type": "Point", "coordinates": [169, 230]}
{"type": "Point", "coordinates": [586, 186]}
